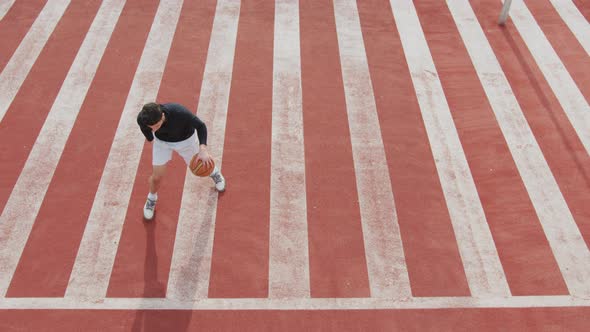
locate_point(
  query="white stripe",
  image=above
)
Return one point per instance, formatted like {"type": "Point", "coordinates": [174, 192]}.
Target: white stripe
{"type": "Point", "coordinates": [388, 275]}
{"type": "Point", "coordinates": [23, 204]}
{"type": "Point", "coordinates": [18, 67]}
{"type": "Point", "coordinates": [556, 219]}
{"type": "Point", "coordinates": [482, 265]}
{"type": "Point", "coordinates": [94, 262]}
{"type": "Point", "coordinates": [575, 21]}
{"type": "Point", "coordinates": [571, 99]}
{"type": "Point", "coordinates": [296, 304]}
{"type": "Point", "coordinates": [289, 255]}
{"type": "Point", "coordinates": [191, 258]}
{"type": "Point", "coordinates": [5, 7]}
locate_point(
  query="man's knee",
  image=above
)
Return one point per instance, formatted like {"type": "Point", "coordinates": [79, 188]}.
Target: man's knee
{"type": "Point", "coordinates": [158, 173]}
{"type": "Point", "coordinates": [155, 179]}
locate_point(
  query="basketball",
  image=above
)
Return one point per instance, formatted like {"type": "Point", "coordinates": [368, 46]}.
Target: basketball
{"type": "Point", "coordinates": [200, 169]}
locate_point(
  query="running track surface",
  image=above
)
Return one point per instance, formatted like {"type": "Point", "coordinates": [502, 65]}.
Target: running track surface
{"type": "Point", "coordinates": [390, 165]}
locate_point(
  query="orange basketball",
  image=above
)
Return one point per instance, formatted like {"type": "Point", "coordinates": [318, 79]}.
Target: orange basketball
{"type": "Point", "coordinates": [200, 169]}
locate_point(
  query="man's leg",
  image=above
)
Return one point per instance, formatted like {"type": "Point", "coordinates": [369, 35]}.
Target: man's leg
{"type": "Point", "coordinates": [155, 181]}
{"type": "Point", "coordinates": [218, 179]}
{"type": "Point", "coordinates": [187, 149]}
{"type": "Point", "coordinates": [156, 178]}
{"type": "Point", "coordinates": [162, 153]}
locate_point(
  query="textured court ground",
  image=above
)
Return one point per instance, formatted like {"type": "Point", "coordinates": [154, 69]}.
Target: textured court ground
{"type": "Point", "coordinates": [390, 165]}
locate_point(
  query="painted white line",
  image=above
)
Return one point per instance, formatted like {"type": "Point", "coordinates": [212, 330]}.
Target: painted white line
{"type": "Point", "coordinates": [27, 196]}
{"type": "Point", "coordinates": [388, 275]}
{"type": "Point", "coordinates": [483, 269]}
{"type": "Point", "coordinates": [5, 7]}
{"type": "Point", "coordinates": [296, 304]}
{"type": "Point", "coordinates": [94, 262]}
{"type": "Point", "coordinates": [288, 252]}
{"type": "Point", "coordinates": [565, 89]}
{"type": "Point", "coordinates": [191, 259]}
{"type": "Point", "coordinates": [561, 230]}
{"type": "Point", "coordinates": [21, 62]}
{"type": "Point", "coordinates": [575, 21]}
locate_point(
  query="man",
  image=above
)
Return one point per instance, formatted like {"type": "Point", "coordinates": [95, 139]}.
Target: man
{"type": "Point", "coordinates": [172, 127]}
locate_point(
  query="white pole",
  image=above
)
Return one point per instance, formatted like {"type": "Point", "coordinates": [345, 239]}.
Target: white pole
{"type": "Point", "coordinates": [504, 13]}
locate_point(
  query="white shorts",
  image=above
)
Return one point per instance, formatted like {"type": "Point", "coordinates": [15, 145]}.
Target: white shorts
{"type": "Point", "coordinates": [162, 150]}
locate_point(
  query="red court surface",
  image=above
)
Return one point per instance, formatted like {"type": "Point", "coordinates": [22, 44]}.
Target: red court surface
{"type": "Point", "coordinates": [391, 165]}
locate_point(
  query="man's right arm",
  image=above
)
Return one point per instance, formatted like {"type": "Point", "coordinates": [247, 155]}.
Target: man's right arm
{"type": "Point", "coordinates": [147, 132]}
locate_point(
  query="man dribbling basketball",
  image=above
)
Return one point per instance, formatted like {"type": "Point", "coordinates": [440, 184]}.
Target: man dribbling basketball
{"type": "Point", "coordinates": [172, 127]}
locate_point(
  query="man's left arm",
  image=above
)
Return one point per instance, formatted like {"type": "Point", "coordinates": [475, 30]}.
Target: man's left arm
{"type": "Point", "coordinates": [201, 128]}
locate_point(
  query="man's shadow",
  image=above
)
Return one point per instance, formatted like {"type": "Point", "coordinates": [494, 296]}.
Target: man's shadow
{"type": "Point", "coordinates": [545, 102]}
{"type": "Point", "coordinates": [157, 320]}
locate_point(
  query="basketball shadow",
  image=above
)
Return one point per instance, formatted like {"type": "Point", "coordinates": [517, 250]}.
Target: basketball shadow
{"type": "Point", "coordinates": [157, 320]}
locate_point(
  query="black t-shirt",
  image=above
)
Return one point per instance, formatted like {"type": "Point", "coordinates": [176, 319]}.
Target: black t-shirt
{"type": "Point", "coordinates": [178, 125]}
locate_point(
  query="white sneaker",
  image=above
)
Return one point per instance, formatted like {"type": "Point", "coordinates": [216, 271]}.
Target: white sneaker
{"type": "Point", "coordinates": [148, 209]}
{"type": "Point", "coordinates": [219, 181]}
